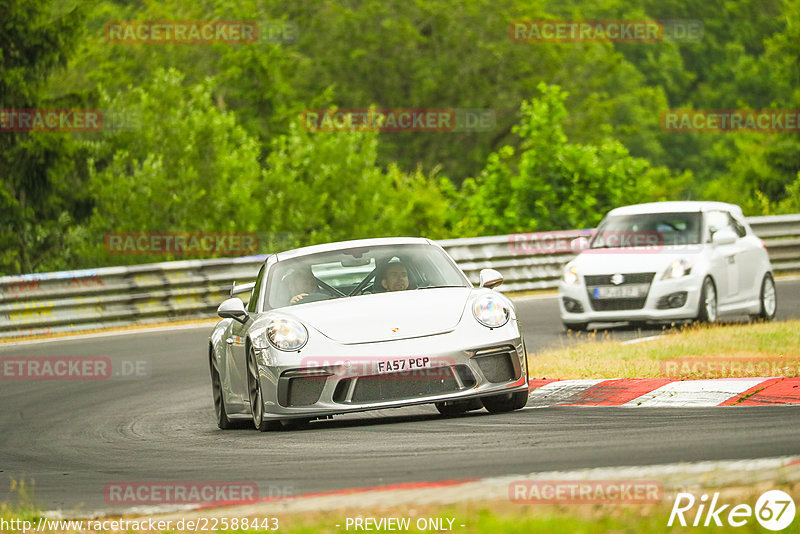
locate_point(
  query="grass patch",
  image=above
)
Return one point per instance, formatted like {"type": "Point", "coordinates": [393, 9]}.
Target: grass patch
{"type": "Point", "coordinates": [514, 518]}
{"type": "Point", "coordinates": [524, 519]}
{"type": "Point", "coordinates": [486, 517]}
{"type": "Point", "coordinates": [494, 518]}
{"type": "Point", "coordinates": [691, 352]}
{"type": "Point", "coordinates": [504, 516]}
{"type": "Point", "coordinates": [22, 504]}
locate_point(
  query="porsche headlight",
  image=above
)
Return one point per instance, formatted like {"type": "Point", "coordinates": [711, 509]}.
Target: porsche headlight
{"type": "Point", "coordinates": [571, 275]}
{"type": "Point", "coordinates": [286, 334]}
{"type": "Point", "coordinates": [490, 311]}
{"type": "Point", "coordinates": [677, 269]}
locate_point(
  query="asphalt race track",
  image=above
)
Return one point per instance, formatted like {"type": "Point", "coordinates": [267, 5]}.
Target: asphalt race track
{"type": "Point", "coordinates": [74, 437]}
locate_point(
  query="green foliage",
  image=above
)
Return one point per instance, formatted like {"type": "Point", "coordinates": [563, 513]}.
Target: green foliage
{"type": "Point", "coordinates": [22, 505]}
{"type": "Point", "coordinates": [762, 168]}
{"type": "Point", "coordinates": [458, 54]}
{"type": "Point", "coordinates": [327, 186]}
{"type": "Point", "coordinates": [41, 174]}
{"type": "Point", "coordinates": [221, 147]}
{"type": "Point", "coordinates": [187, 166]}
{"type": "Point", "coordinates": [192, 167]}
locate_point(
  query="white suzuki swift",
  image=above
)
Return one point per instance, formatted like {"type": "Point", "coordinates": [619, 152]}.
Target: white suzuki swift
{"type": "Point", "coordinates": [668, 261]}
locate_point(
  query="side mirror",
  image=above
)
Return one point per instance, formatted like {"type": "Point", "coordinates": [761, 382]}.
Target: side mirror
{"type": "Point", "coordinates": [724, 237]}
{"type": "Point", "coordinates": [233, 308]}
{"type": "Point", "coordinates": [490, 278]}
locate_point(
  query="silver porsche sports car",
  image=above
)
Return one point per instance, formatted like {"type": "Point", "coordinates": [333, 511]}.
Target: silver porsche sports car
{"type": "Point", "coordinates": [364, 325]}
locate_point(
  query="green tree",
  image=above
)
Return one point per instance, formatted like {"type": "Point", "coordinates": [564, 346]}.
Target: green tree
{"type": "Point", "coordinates": [762, 168]}
{"type": "Point", "coordinates": [183, 166]}
{"type": "Point", "coordinates": [551, 184]}
{"type": "Point", "coordinates": [328, 186]}
{"type": "Point", "coordinates": [193, 167]}
{"type": "Point", "coordinates": [458, 54]}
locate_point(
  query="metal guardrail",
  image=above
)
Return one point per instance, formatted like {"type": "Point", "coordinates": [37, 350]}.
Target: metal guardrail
{"type": "Point", "coordinates": [120, 296]}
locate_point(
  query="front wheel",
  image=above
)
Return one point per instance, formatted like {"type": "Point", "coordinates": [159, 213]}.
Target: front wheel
{"type": "Point", "coordinates": [254, 389]}
{"type": "Point", "coordinates": [768, 299]}
{"type": "Point", "coordinates": [707, 310]}
{"type": "Point", "coordinates": [506, 402]}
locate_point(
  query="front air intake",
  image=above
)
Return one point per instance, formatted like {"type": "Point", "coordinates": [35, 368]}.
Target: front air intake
{"type": "Point", "coordinates": [497, 367]}
{"type": "Point", "coordinates": [299, 388]}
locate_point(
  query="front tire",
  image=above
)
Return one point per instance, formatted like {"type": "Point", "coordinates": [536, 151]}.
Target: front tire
{"type": "Point", "coordinates": [768, 299]}
{"type": "Point", "coordinates": [506, 402]}
{"type": "Point", "coordinates": [254, 390]}
{"type": "Point", "coordinates": [707, 307]}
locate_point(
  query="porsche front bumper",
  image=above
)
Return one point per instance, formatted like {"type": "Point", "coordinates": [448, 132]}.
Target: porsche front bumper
{"type": "Point", "coordinates": [388, 374]}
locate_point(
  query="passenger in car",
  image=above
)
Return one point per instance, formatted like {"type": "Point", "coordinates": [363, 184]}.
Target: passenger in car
{"type": "Point", "coordinates": [301, 284]}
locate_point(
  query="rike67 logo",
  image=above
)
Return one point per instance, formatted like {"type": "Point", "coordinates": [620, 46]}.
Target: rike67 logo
{"type": "Point", "coordinates": [774, 510]}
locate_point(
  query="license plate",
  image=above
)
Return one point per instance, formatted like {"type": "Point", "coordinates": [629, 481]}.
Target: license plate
{"type": "Point", "coordinates": [621, 292]}
{"type": "Point", "coordinates": [406, 364]}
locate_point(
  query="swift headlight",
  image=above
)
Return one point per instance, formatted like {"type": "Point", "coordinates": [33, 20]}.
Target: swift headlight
{"type": "Point", "coordinates": [286, 334]}
{"type": "Point", "coordinates": [570, 276]}
{"type": "Point", "coordinates": [677, 269]}
{"type": "Point", "coordinates": [490, 311]}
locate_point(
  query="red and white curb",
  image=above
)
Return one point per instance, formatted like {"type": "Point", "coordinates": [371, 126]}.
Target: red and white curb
{"type": "Point", "coordinates": [664, 392]}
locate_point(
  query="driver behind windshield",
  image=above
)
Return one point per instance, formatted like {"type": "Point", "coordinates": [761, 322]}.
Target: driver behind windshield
{"type": "Point", "coordinates": [395, 277]}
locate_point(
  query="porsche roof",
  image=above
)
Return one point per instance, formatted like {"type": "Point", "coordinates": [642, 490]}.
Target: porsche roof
{"type": "Point", "coordinates": [374, 242]}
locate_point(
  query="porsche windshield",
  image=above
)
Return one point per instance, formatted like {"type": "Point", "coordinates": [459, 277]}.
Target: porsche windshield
{"type": "Point", "coordinates": [360, 271]}
{"type": "Point", "coordinates": [648, 229]}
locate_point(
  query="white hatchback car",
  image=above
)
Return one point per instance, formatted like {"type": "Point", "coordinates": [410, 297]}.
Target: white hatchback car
{"type": "Point", "coordinates": [667, 261]}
